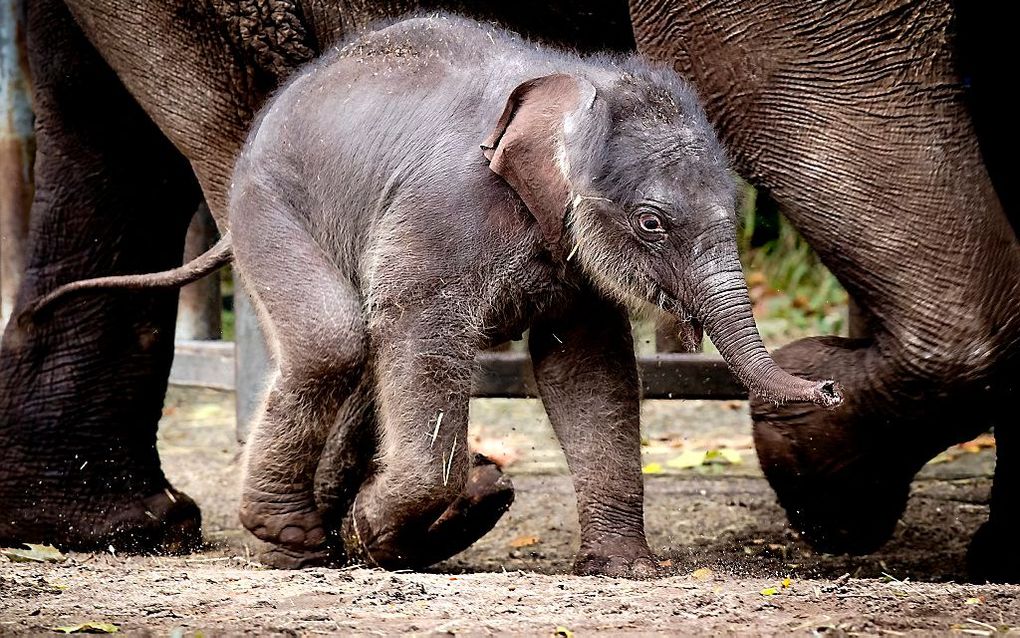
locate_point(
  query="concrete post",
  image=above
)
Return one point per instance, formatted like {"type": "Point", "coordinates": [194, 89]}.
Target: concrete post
{"type": "Point", "coordinates": [200, 307]}
{"type": "Point", "coordinates": [253, 362]}
{"type": "Point", "coordinates": [17, 151]}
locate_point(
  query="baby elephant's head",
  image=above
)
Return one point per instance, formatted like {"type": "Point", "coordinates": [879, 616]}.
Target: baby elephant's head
{"type": "Point", "coordinates": [626, 178]}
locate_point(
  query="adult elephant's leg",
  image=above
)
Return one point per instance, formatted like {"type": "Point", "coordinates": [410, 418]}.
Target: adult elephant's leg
{"type": "Point", "coordinates": [854, 120]}
{"type": "Point", "coordinates": [81, 391]}
{"type": "Point", "coordinates": [588, 380]}
{"type": "Point", "coordinates": [993, 555]}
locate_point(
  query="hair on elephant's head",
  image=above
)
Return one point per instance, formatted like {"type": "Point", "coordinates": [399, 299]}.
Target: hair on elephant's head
{"type": "Point", "coordinates": [624, 174]}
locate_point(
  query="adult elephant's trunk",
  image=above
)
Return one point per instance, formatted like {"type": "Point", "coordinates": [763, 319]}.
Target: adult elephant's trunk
{"type": "Point", "coordinates": [722, 305]}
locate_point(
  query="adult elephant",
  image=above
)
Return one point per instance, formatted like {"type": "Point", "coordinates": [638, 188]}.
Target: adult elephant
{"type": "Point", "coordinates": [861, 122]}
{"type": "Point", "coordinates": [854, 120]}
{"type": "Point", "coordinates": [140, 111]}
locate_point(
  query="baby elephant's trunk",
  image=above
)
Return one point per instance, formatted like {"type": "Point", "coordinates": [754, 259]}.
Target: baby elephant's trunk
{"type": "Point", "coordinates": [724, 308]}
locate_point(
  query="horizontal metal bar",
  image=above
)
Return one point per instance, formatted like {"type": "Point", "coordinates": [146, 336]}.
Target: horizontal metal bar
{"type": "Point", "coordinates": [663, 376]}
{"type": "Point", "coordinates": [500, 374]}
{"type": "Point", "coordinates": [688, 376]}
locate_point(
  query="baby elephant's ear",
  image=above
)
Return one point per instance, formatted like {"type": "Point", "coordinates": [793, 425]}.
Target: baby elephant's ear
{"type": "Point", "coordinates": [526, 147]}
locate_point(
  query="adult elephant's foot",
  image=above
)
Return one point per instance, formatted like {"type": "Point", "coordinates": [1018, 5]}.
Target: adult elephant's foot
{"type": "Point", "coordinates": [619, 558]}
{"type": "Point", "coordinates": [288, 523]}
{"type": "Point", "coordinates": [165, 522]}
{"type": "Point", "coordinates": [486, 496]}
{"type": "Point", "coordinates": [81, 388]}
{"type": "Point", "coordinates": [843, 475]}
{"type": "Point", "coordinates": [992, 556]}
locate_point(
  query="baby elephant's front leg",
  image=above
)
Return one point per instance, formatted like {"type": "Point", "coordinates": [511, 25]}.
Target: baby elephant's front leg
{"type": "Point", "coordinates": [428, 500]}
{"type": "Point", "coordinates": [587, 376]}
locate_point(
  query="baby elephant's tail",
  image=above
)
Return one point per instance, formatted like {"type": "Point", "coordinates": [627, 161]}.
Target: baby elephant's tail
{"type": "Point", "coordinates": [208, 262]}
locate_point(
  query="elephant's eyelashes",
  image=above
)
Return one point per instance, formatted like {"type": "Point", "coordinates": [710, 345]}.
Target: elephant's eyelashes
{"type": "Point", "coordinates": [649, 224]}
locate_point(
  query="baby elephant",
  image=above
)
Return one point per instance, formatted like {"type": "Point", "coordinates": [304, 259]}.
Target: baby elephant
{"type": "Point", "coordinates": [437, 187]}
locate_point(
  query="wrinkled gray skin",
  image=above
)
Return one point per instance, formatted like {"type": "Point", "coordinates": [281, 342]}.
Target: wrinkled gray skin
{"type": "Point", "coordinates": [433, 189]}
{"type": "Point", "coordinates": [883, 130]}
{"type": "Point", "coordinates": [879, 129]}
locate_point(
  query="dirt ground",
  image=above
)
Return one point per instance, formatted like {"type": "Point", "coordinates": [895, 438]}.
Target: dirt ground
{"type": "Point", "coordinates": [735, 566]}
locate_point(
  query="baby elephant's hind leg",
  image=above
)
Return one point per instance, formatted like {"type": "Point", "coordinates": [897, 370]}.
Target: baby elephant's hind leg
{"type": "Point", "coordinates": [313, 319]}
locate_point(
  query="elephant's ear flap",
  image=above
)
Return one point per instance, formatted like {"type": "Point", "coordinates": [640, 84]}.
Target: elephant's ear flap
{"type": "Point", "coordinates": [526, 147]}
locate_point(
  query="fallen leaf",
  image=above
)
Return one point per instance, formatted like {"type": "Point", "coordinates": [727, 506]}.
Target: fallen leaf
{"type": "Point", "coordinates": [702, 574]}
{"type": "Point", "coordinates": [525, 541]}
{"type": "Point", "coordinates": [787, 583]}
{"type": "Point", "coordinates": [769, 591]}
{"type": "Point", "coordinates": [972, 601]}
{"type": "Point", "coordinates": [690, 459]}
{"type": "Point", "coordinates": [979, 443]}
{"type": "Point", "coordinates": [563, 632]}
{"type": "Point", "coordinates": [652, 468]}
{"type": "Point", "coordinates": [687, 460]}
{"type": "Point", "coordinates": [723, 456]}
{"type": "Point", "coordinates": [34, 554]}
{"type": "Point", "coordinates": [666, 563]}
{"type": "Point", "coordinates": [89, 628]}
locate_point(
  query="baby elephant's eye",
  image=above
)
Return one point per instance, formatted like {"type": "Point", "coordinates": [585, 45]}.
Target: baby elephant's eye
{"type": "Point", "coordinates": [650, 224]}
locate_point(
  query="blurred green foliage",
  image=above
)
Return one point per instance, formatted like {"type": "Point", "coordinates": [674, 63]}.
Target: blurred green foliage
{"type": "Point", "coordinates": [793, 293]}
{"type": "Point", "coordinates": [227, 291]}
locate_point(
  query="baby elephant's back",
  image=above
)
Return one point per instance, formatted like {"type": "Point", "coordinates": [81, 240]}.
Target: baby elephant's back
{"type": "Point", "coordinates": [367, 113]}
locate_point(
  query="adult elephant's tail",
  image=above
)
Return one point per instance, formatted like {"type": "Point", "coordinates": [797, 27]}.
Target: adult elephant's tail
{"type": "Point", "coordinates": [205, 264]}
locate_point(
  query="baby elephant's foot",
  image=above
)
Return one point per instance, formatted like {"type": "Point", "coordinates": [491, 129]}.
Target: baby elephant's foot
{"type": "Point", "coordinates": [630, 559]}
{"type": "Point", "coordinates": [291, 522]}
{"type": "Point", "coordinates": [487, 494]}
{"type": "Point", "coordinates": [282, 557]}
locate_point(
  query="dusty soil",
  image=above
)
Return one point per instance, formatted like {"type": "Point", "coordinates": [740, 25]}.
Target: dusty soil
{"type": "Point", "coordinates": [718, 527]}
